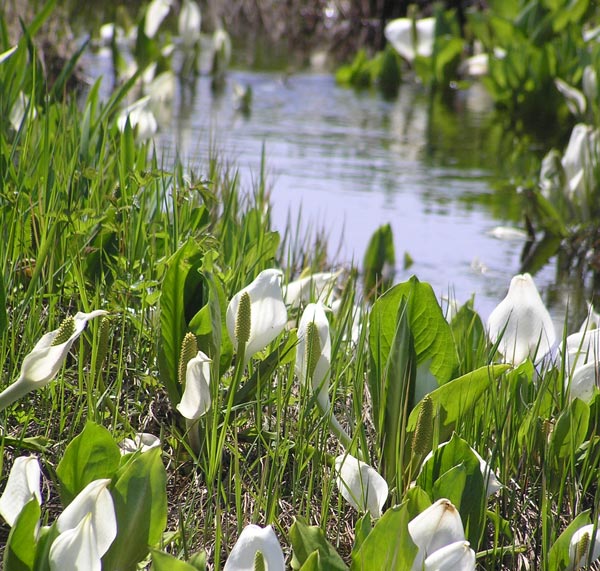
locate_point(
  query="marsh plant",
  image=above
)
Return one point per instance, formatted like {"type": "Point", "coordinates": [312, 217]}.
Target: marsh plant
{"type": "Point", "coordinates": [200, 402]}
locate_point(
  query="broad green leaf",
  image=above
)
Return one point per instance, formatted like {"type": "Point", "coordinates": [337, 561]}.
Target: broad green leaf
{"type": "Point", "coordinates": [558, 557]}
{"type": "Point", "coordinates": [305, 540]}
{"type": "Point", "coordinates": [313, 563]}
{"type": "Point", "coordinates": [456, 398]}
{"type": "Point", "coordinates": [180, 299]}
{"type": "Point", "coordinates": [91, 455]}
{"type": "Point", "coordinates": [19, 553]}
{"type": "Point", "coordinates": [389, 545]}
{"type": "Point", "coordinates": [162, 561]}
{"type": "Point", "coordinates": [140, 497]}
{"type": "Point", "coordinates": [570, 430]}
{"type": "Point", "coordinates": [380, 252]}
{"type": "Point", "coordinates": [454, 472]}
{"type": "Point", "coordinates": [362, 530]}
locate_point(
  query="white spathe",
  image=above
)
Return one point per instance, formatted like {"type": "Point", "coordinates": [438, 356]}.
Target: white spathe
{"type": "Point", "coordinates": [96, 502]}
{"type": "Point", "coordinates": [141, 119]}
{"type": "Point", "coordinates": [142, 441]}
{"type": "Point", "coordinates": [22, 486]}
{"type": "Point", "coordinates": [76, 549]}
{"type": "Point", "coordinates": [315, 313]}
{"type": "Point", "coordinates": [584, 381]}
{"type": "Point", "coordinates": [584, 555]}
{"type": "Point", "coordinates": [311, 287]}
{"type": "Point", "coordinates": [189, 23]}
{"type": "Point", "coordinates": [268, 314]}
{"type": "Point", "coordinates": [45, 360]}
{"type": "Point", "coordinates": [155, 14]}
{"type": "Point", "coordinates": [522, 323]}
{"type": "Point", "coordinates": [195, 401]}
{"type": "Point", "coordinates": [437, 526]}
{"type": "Point", "coordinates": [252, 539]}
{"type": "Point", "coordinates": [401, 34]}
{"type": "Point", "coordinates": [360, 485]}
{"type": "Point", "coordinates": [457, 556]}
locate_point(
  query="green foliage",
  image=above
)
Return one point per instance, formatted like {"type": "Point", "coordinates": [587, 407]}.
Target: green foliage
{"type": "Point", "coordinates": [18, 553]}
{"type": "Point", "coordinates": [388, 545]}
{"type": "Point", "coordinates": [140, 497]}
{"type": "Point", "coordinates": [382, 71]}
{"type": "Point", "coordinates": [90, 456]}
{"type": "Point", "coordinates": [307, 540]}
{"type": "Point", "coordinates": [379, 261]}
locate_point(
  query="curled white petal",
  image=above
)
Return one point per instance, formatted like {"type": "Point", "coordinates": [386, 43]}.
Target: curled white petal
{"type": "Point", "coordinates": [252, 539]}
{"type": "Point", "coordinates": [439, 525]}
{"type": "Point", "coordinates": [196, 397]}
{"type": "Point", "coordinates": [94, 501]}
{"type": "Point", "coordinates": [457, 556]}
{"type": "Point", "coordinates": [268, 314]}
{"type": "Point", "coordinates": [142, 441]}
{"type": "Point", "coordinates": [76, 549]}
{"type": "Point", "coordinates": [23, 485]}
{"type": "Point", "coordinates": [190, 20]}
{"type": "Point", "coordinates": [155, 14]}
{"type": "Point", "coordinates": [584, 381]}
{"type": "Point", "coordinates": [311, 287]}
{"type": "Point", "coordinates": [522, 322]}
{"type": "Point", "coordinates": [315, 313]}
{"type": "Point", "coordinates": [411, 38]}
{"type": "Point", "coordinates": [360, 485]}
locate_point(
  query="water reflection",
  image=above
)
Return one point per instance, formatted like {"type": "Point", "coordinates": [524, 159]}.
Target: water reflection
{"type": "Point", "coordinates": [354, 161]}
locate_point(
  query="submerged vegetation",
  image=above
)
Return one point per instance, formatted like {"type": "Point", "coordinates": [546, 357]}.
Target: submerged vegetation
{"type": "Point", "coordinates": [177, 393]}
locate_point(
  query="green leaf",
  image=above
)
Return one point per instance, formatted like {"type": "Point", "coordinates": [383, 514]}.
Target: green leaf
{"type": "Point", "coordinates": [305, 540]}
{"type": "Point", "coordinates": [91, 455]}
{"type": "Point", "coordinates": [3, 314]}
{"type": "Point", "coordinates": [380, 252]}
{"type": "Point", "coordinates": [558, 557]}
{"type": "Point", "coordinates": [162, 561]}
{"type": "Point", "coordinates": [570, 430]}
{"type": "Point", "coordinates": [313, 563]}
{"type": "Point", "coordinates": [19, 553]}
{"type": "Point", "coordinates": [140, 497]}
{"type": "Point", "coordinates": [456, 398]}
{"type": "Point", "coordinates": [362, 530]}
{"type": "Point", "coordinates": [389, 545]}
{"type": "Point", "coordinates": [454, 472]}
{"type": "Point", "coordinates": [180, 299]}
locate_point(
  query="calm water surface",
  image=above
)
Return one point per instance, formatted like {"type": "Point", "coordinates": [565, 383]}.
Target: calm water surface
{"type": "Point", "coordinates": [350, 162]}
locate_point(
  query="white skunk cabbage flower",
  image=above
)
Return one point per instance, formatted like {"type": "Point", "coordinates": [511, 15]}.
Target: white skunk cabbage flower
{"type": "Point", "coordinates": [141, 119]}
{"type": "Point", "coordinates": [22, 486]}
{"type": "Point", "coordinates": [580, 545]}
{"type": "Point", "coordinates": [491, 481]}
{"type": "Point", "coordinates": [189, 23]}
{"type": "Point", "coordinates": [87, 526]}
{"type": "Point", "coordinates": [411, 38]}
{"type": "Point", "coordinates": [313, 361]}
{"type": "Point", "coordinates": [313, 356]}
{"type": "Point", "coordinates": [142, 441]}
{"type": "Point", "coordinates": [155, 14]}
{"type": "Point", "coordinates": [360, 485]}
{"type": "Point", "coordinates": [252, 540]}
{"type": "Point", "coordinates": [436, 527]}
{"type": "Point", "coordinates": [47, 357]}
{"type": "Point", "coordinates": [195, 401]}
{"type": "Point", "coordinates": [256, 314]}
{"type": "Point", "coordinates": [457, 556]}
{"type": "Point", "coordinates": [584, 381]}
{"type": "Point", "coordinates": [20, 110]}
{"type": "Point", "coordinates": [314, 286]}
{"type": "Point", "coordinates": [523, 321]}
